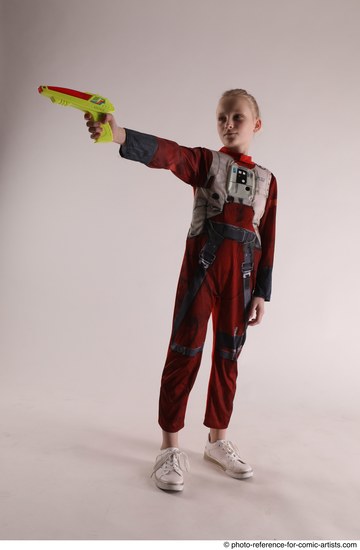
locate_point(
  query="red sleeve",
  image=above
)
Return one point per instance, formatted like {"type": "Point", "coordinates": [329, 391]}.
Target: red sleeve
{"type": "Point", "coordinates": [267, 229]}
{"type": "Point", "coordinates": [190, 164]}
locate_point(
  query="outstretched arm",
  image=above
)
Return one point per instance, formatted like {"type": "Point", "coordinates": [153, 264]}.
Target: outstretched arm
{"type": "Point", "coordinates": [190, 164]}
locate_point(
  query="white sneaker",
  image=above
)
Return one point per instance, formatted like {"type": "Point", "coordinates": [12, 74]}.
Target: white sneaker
{"type": "Point", "coordinates": [167, 469]}
{"type": "Point", "coordinates": [226, 455]}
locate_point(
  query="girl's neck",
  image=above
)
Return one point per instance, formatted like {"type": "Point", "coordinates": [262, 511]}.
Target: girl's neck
{"type": "Point", "coordinates": [240, 157]}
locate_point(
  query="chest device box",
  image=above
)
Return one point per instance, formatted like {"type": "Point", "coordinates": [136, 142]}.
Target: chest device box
{"type": "Point", "coordinates": [240, 182]}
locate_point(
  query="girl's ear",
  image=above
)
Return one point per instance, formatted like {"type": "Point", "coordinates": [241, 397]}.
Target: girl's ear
{"type": "Point", "coordinates": [258, 125]}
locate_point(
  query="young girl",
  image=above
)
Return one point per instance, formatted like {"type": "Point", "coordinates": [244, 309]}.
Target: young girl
{"type": "Point", "coordinates": [226, 272]}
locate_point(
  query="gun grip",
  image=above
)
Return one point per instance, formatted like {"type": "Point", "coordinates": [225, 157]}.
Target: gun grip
{"type": "Point", "coordinates": [106, 134]}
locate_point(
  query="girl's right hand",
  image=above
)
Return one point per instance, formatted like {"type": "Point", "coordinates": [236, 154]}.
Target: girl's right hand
{"type": "Point", "coordinates": [96, 130]}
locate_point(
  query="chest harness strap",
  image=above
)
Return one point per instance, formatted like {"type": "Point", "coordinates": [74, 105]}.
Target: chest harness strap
{"type": "Point", "coordinates": [206, 258]}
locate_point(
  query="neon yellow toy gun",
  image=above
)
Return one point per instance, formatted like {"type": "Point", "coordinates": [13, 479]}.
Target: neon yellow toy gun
{"type": "Point", "coordinates": [85, 101]}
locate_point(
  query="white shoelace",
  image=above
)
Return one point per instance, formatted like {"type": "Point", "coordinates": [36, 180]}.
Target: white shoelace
{"type": "Point", "coordinates": [172, 459]}
{"type": "Point", "coordinates": [232, 451]}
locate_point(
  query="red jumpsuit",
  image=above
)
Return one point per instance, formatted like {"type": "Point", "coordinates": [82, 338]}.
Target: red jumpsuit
{"type": "Point", "coordinates": [221, 292]}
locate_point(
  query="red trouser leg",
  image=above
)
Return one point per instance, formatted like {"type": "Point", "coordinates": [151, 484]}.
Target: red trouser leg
{"type": "Point", "coordinates": [221, 294]}
{"type": "Point", "coordinates": [229, 335]}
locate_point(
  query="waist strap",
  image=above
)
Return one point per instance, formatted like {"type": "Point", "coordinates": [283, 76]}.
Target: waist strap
{"type": "Point", "coordinates": [228, 231]}
{"type": "Point", "coordinates": [217, 233]}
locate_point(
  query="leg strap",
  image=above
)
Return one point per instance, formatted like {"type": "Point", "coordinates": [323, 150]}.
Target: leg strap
{"type": "Point", "coordinates": [246, 267]}
{"type": "Point", "coordinates": [206, 258]}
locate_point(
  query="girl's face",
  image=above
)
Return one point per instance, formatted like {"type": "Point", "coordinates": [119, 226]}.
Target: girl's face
{"type": "Point", "coordinates": [236, 123]}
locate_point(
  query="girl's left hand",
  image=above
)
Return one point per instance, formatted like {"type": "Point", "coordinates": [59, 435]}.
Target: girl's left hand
{"type": "Point", "coordinates": [256, 310]}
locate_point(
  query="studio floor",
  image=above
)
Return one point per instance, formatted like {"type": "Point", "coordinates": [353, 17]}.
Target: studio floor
{"type": "Point", "coordinates": [71, 470]}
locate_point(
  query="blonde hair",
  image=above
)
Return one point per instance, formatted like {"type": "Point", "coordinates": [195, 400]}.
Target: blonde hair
{"type": "Point", "coordinates": [243, 93]}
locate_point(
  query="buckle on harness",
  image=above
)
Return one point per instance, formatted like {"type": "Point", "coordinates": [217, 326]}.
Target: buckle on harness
{"type": "Point", "coordinates": [206, 258]}
{"type": "Point", "coordinates": [247, 268]}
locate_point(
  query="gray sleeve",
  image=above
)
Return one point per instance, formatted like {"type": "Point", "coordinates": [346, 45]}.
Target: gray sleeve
{"type": "Point", "coordinates": [138, 146]}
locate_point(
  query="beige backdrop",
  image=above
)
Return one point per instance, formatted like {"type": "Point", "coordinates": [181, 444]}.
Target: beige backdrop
{"type": "Point", "coordinates": [90, 250]}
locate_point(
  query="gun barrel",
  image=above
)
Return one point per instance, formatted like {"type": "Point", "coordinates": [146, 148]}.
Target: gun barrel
{"type": "Point", "coordinates": [80, 100]}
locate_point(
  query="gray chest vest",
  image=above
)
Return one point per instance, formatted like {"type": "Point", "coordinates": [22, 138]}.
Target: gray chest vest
{"type": "Point", "coordinates": [209, 201]}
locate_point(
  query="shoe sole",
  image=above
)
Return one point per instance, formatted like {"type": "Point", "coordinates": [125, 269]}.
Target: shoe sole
{"type": "Point", "coordinates": [168, 487]}
{"type": "Point", "coordinates": [243, 475]}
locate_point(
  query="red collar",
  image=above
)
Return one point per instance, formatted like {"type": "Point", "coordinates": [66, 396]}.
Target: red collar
{"type": "Point", "coordinates": [238, 157]}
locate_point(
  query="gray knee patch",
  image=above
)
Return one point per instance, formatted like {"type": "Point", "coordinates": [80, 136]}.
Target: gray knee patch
{"type": "Point", "coordinates": [186, 351]}
{"type": "Point", "coordinates": [229, 346]}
